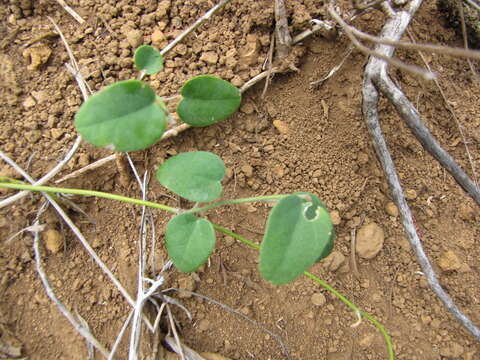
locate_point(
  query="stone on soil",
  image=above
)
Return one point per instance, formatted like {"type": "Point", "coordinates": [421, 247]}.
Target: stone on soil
{"type": "Point", "coordinates": [53, 240]}
{"type": "Point", "coordinates": [318, 299]}
{"type": "Point", "coordinates": [135, 38]}
{"type": "Point", "coordinates": [281, 127]}
{"type": "Point", "coordinates": [186, 283]}
{"type": "Point", "coordinates": [391, 209]}
{"type": "Point", "coordinates": [335, 217]}
{"type": "Point", "coordinates": [370, 240]}
{"type": "Point", "coordinates": [449, 261]}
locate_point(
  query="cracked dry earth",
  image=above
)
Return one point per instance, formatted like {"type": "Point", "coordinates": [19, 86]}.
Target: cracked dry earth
{"type": "Point", "coordinates": [294, 139]}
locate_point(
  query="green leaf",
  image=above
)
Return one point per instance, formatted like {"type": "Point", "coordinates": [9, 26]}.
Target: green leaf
{"type": "Point", "coordinates": [148, 59]}
{"type": "Point", "coordinates": [207, 99]}
{"type": "Point", "coordinates": [190, 241]}
{"type": "Point", "coordinates": [298, 233]}
{"type": "Point", "coordinates": [196, 176]}
{"type": "Point", "coordinates": [123, 117]}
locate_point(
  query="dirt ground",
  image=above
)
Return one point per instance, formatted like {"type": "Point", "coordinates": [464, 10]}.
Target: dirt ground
{"type": "Point", "coordinates": [296, 138]}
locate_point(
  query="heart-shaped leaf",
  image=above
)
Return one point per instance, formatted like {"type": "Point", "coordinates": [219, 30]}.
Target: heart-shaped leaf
{"type": "Point", "coordinates": [298, 233]}
{"type": "Point", "coordinates": [196, 176]}
{"type": "Point", "coordinates": [123, 117]}
{"type": "Point", "coordinates": [148, 59]}
{"type": "Point", "coordinates": [190, 241]}
{"type": "Point", "coordinates": [207, 99]}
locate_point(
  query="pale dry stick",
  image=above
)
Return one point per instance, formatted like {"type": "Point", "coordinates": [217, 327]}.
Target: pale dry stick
{"type": "Point", "coordinates": [394, 28]}
{"type": "Point", "coordinates": [283, 39]}
{"type": "Point", "coordinates": [70, 11]}
{"type": "Point", "coordinates": [269, 65]}
{"type": "Point", "coordinates": [81, 84]}
{"type": "Point", "coordinates": [276, 337]}
{"type": "Point", "coordinates": [154, 242]}
{"type": "Point", "coordinates": [90, 347]}
{"type": "Point", "coordinates": [51, 294]}
{"type": "Point", "coordinates": [31, 228]}
{"type": "Point", "coordinates": [410, 115]}
{"type": "Point", "coordinates": [318, 25]}
{"type": "Point", "coordinates": [465, 37]}
{"type": "Point", "coordinates": [91, 166]}
{"type": "Point", "coordinates": [454, 115]}
{"type": "Point", "coordinates": [180, 352]}
{"type": "Point", "coordinates": [438, 49]}
{"type": "Point", "coordinates": [77, 232]}
{"type": "Point", "coordinates": [353, 257]}
{"type": "Point", "coordinates": [120, 336]}
{"type": "Point", "coordinates": [397, 63]}
{"type": "Point", "coordinates": [136, 323]}
{"type": "Point", "coordinates": [195, 25]}
{"type": "Point", "coordinates": [359, 5]}
{"type": "Point", "coordinates": [473, 4]}
{"type": "Point", "coordinates": [319, 82]}
{"type": "Point", "coordinates": [189, 353]}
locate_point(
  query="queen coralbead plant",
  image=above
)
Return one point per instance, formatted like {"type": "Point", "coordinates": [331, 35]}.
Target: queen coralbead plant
{"type": "Point", "coordinates": [129, 116]}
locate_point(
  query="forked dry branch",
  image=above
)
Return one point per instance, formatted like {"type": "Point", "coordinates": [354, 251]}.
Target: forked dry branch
{"type": "Point", "coordinates": [376, 79]}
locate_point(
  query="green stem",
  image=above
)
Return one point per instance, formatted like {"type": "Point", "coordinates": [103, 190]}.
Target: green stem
{"type": "Point", "coordinates": [235, 201]}
{"type": "Point", "coordinates": [356, 309]}
{"type": "Point", "coordinates": [328, 287]}
{"type": "Point", "coordinates": [250, 243]}
{"type": "Point", "coordinates": [49, 189]}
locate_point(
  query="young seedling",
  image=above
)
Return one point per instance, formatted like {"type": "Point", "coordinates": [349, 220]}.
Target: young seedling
{"type": "Point", "coordinates": [129, 116]}
{"type": "Point", "coordinates": [298, 233]}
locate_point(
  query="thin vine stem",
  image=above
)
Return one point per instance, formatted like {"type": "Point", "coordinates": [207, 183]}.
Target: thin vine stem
{"type": "Point", "coordinates": [99, 194]}
{"type": "Point", "coordinates": [265, 198]}
{"type": "Point", "coordinates": [329, 288]}
{"type": "Point", "coordinates": [325, 285]}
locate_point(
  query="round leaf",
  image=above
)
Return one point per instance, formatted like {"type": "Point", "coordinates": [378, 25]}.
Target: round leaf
{"type": "Point", "coordinates": [123, 117]}
{"type": "Point", "coordinates": [294, 240]}
{"type": "Point", "coordinates": [196, 176]}
{"type": "Point", "coordinates": [148, 59]}
{"type": "Point", "coordinates": [207, 99]}
{"type": "Point", "coordinates": [190, 241]}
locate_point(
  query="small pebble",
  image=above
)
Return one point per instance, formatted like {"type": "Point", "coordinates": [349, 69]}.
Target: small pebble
{"type": "Point", "coordinates": [135, 38]}
{"type": "Point", "coordinates": [370, 239]}
{"type": "Point", "coordinates": [53, 240]}
{"type": "Point", "coordinates": [281, 127]}
{"type": "Point", "coordinates": [392, 209]}
{"type": "Point", "coordinates": [410, 194]}
{"type": "Point", "coordinates": [335, 217]}
{"type": "Point", "coordinates": [318, 299]}
{"type": "Point", "coordinates": [204, 325]}
{"type": "Point", "coordinates": [186, 283]}
{"type": "Point", "coordinates": [449, 261]}
{"type": "Point", "coordinates": [210, 57]}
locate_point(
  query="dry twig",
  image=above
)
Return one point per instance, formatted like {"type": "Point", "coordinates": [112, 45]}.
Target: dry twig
{"type": "Point", "coordinates": [277, 338]}
{"type": "Point", "coordinates": [473, 4]}
{"type": "Point", "coordinates": [71, 11]}
{"type": "Point", "coordinates": [376, 78]}
{"type": "Point", "coordinates": [195, 25]}
{"type": "Point", "coordinates": [465, 36]}
{"type": "Point", "coordinates": [450, 109]}
{"type": "Point", "coordinates": [82, 330]}
{"type": "Point", "coordinates": [283, 39]}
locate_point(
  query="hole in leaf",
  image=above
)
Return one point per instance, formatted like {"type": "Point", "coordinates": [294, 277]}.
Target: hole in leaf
{"type": "Point", "coordinates": [311, 211]}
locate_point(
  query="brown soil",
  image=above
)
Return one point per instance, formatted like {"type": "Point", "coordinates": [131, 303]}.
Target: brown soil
{"type": "Point", "coordinates": [295, 138]}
